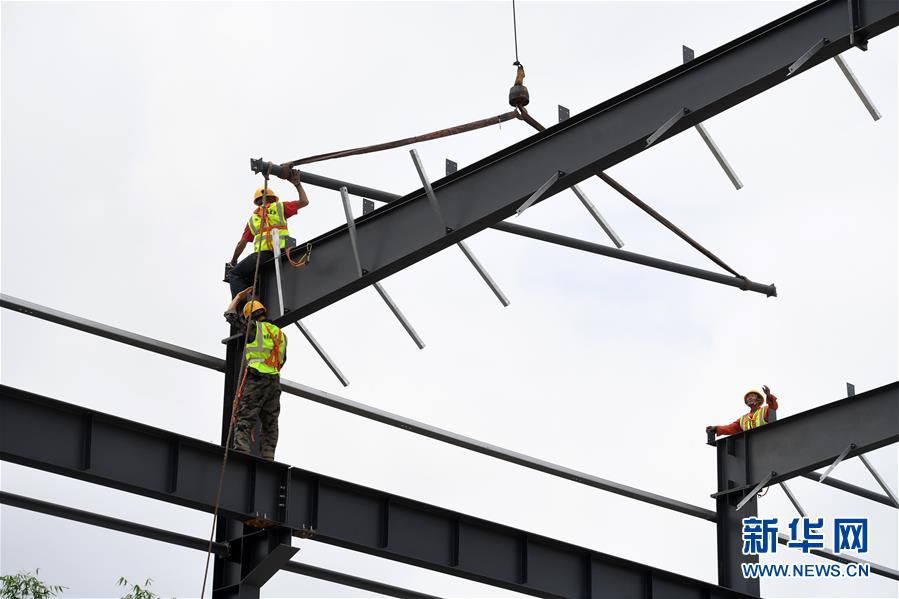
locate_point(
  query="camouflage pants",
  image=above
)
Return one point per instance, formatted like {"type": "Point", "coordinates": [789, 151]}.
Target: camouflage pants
{"type": "Point", "coordinates": [261, 398]}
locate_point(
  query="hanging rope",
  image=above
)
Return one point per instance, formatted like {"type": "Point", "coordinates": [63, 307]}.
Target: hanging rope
{"type": "Point", "coordinates": [235, 402]}
{"type": "Point", "coordinates": [515, 32]}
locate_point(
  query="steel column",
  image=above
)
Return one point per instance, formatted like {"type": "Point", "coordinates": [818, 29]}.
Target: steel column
{"type": "Point", "coordinates": [733, 473]}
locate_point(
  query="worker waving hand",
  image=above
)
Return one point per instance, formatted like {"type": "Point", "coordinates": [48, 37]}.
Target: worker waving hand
{"type": "Point", "coordinates": [758, 415]}
{"type": "Point", "coordinates": [265, 354]}
{"type": "Point", "coordinates": [271, 215]}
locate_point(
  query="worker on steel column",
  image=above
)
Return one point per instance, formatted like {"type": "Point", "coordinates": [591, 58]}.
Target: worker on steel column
{"type": "Point", "coordinates": [265, 353]}
{"type": "Point", "coordinates": [758, 415]}
{"type": "Point", "coordinates": [270, 215]}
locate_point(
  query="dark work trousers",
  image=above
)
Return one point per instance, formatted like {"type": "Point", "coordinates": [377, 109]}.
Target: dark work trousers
{"type": "Point", "coordinates": [261, 399]}
{"type": "Point", "coordinates": [242, 274]}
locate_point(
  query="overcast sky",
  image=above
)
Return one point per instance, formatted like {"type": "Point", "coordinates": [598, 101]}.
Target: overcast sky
{"type": "Point", "coordinates": [126, 133]}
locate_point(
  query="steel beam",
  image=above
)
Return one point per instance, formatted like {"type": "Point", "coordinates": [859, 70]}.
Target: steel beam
{"type": "Point", "coordinates": [103, 521]}
{"type": "Point", "coordinates": [571, 242]}
{"type": "Point", "coordinates": [115, 334]}
{"type": "Point", "coordinates": [384, 417]}
{"type": "Point", "coordinates": [166, 536]}
{"type": "Point", "coordinates": [88, 445]}
{"type": "Point", "coordinates": [603, 250]}
{"type": "Point", "coordinates": [490, 190]}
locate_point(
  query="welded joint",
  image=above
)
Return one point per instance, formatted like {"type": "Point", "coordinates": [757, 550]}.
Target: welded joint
{"type": "Point", "coordinates": [836, 462]}
{"type": "Point", "coordinates": [667, 125]}
{"type": "Point", "coordinates": [270, 565]}
{"type": "Point", "coordinates": [807, 56]}
{"type": "Point", "coordinates": [541, 191]}
{"type": "Point", "coordinates": [755, 490]}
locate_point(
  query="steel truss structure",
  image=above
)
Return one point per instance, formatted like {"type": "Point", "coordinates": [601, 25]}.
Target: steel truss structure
{"type": "Point", "coordinates": [72, 441]}
{"type": "Point", "coordinates": [93, 446]}
{"type": "Point", "coordinates": [492, 189]}
{"type": "Point", "coordinates": [789, 448]}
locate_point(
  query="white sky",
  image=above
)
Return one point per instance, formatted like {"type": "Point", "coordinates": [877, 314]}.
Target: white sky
{"type": "Point", "coordinates": [126, 133]}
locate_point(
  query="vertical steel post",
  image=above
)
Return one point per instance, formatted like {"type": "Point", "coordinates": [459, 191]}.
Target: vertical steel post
{"type": "Point", "coordinates": [733, 472]}
{"type": "Point", "coordinates": [225, 572]}
{"type": "Point", "coordinates": [255, 555]}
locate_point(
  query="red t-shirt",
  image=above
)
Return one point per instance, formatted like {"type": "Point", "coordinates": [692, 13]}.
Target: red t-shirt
{"type": "Point", "coordinates": [734, 427]}
{"type": "Point", "coordinates": [290, 208]}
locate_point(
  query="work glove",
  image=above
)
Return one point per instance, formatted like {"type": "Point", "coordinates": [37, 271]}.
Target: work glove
{"type": "Point", "coordinates": [289, 174]}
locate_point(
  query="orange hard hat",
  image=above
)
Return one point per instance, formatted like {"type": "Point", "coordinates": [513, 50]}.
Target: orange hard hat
{"type": "Point", "coordinates": [253, 306]}
{"type": "Point", "coordinates": [268, 193]}
{"type": "Point", "coordinates": [758, 392]}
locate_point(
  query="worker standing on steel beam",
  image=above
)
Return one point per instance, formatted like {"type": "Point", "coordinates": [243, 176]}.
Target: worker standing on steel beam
{"type": "Point", "coordinates": [270, 215]}
{"type": "Point", "coordinates": [758, 415]}
{"type": "Point", "coordinates": [260, 394]}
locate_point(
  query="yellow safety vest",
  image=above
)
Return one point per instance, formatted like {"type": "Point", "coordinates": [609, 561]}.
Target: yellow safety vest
{"type": "Point", "coordinates": [266, 353]}
{"type": "Point", "coordinates": [753, 420]}
{"type": "Point", "coordinates": [261, 228]}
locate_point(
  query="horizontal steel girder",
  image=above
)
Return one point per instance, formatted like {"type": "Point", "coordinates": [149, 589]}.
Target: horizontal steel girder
{"type": "Point", "coordinates": [360, 409]}
{"type": "Point", "coordinates": [72, 441]}
{"type": "Point", "coordinates": [815, 438]}
{"type": "Point", "coordinates": [222, 549]}
{"type": "Point", "coordinates": [490, 190]}
{"type": "Point", "coordinates": [571, 242]}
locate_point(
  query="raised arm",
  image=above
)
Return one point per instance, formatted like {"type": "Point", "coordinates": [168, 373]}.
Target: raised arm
{"type": "Point", "coordinates": [238, 299]}
{"type": "Point", "coordinates": [293, 176]}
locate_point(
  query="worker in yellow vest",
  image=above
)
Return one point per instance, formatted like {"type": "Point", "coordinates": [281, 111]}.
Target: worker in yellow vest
{"type": "Point", "coordinates": [758, 415]}
{"type": "Point", "coordinates": [271, 215]}
{"type": "Point", "coordinates": [265, 354]}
